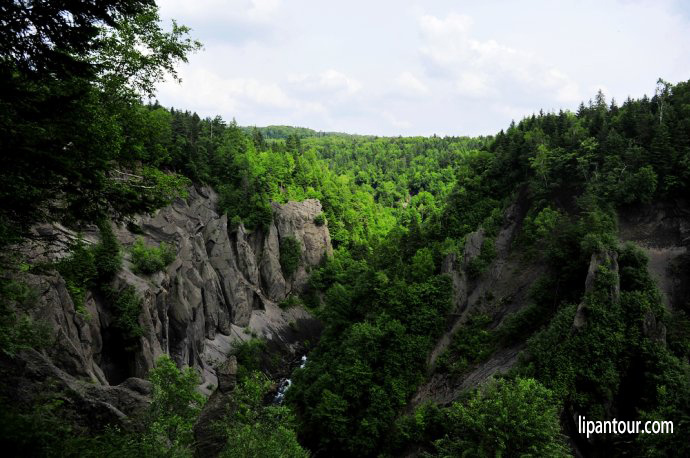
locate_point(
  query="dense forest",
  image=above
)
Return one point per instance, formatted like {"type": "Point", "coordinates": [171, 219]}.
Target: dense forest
{"type": "Point", "coordinates": [85, 144]}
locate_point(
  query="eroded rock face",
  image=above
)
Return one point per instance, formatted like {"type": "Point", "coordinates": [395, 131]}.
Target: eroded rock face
{"type": "Point", "coordinates": [296, 219]}
{"type": "Point", "coordinates": [662, 231]}
{"type": "Point", "coordinates": [609, 261]}
{"type": "Point", "coordinates": [223, 286]}
{"type": "Point", "coordinates": [210, 439]}
{"type": "Point", "coordinates": [500, 290]}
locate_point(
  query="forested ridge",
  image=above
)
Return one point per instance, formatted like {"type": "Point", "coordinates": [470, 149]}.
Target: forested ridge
{"type": "Point", "coordinates": [85, 144]}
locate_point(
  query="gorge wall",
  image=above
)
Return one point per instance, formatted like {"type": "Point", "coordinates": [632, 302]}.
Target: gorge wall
{"type": "Point", "coordinates": [224, 286]}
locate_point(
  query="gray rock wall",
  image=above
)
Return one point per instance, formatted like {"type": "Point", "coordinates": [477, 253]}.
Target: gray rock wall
{"type": "Point", "coordinates": [223, 286]}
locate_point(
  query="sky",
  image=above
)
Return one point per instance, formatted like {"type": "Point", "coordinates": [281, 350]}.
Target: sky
{"type": "Point", "coordinates": [386, 67]}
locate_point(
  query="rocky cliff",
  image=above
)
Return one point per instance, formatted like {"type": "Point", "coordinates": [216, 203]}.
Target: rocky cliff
{"type": "Point", "coordinates": [498, 291]}
{"type": "Point", "coordinates": [224, 286]}
{"type": "Point", "coordinates": [661, 230]}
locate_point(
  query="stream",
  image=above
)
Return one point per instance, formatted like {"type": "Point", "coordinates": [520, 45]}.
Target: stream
{"type": "Point", "coordinates": [286, 383]}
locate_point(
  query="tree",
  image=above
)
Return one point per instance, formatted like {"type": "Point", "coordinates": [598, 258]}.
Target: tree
{"type": "Point", "coordinates": [290, 254]}
{"type": "Point", "coordinates": [506, 418]}
{"type": "Point", "coordinates": [663, 88]}
{"type": "Point", "coordinates": [137, 53]}
{"type": "Point", "coordinates": [55, 38]}
{"type": "Point", "coordinates": [254, 429]}
{"type": "Point", "coordinates": [175, 405]}
{"type": "Point", "coordinates": [422, 265]}
{"type": "Point", "coordinates": [63, 103]}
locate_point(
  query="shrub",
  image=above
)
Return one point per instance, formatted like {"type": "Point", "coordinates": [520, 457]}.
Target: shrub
{"type": "Point", "coordinates": [254, 429]}
{"type": "Point", "coordinates": [148, 260]}
{"type": "Point", "coordinates": [520, 324]}
{"type": "Point", "coordinates": [479, 264]}
{"type": "Point", "coordinates": [78, 270]}
{"type": "Point", "coordinates": [175, 406]}
{"type": "Point", "coordinates": [426, 424]}
{"type": "Point", "coordinates": [91, 266]}
{"type": "Point", "coordinates": [249, 354]}
{"type": "Point", "coordinates": [18, 331]}
{"type": "Point", "coordinates": [107, 254]}
{"type": "Point", "coordinates": [235, 223]}
{"type": "Point", "coordinates": [290, 301]}
{"type": "Point", "coordinates": [126, 310]}
{"type": "Point", "coordinates": [422, 265]}
{"type": "Point", "coordinates": [320, 219]}
{"type": "Point", "coordinates": [507, 418]}
{"type": "Point", "coordinates": [290, 253]}
{"type": "Point", "coordinates": [473, 343]}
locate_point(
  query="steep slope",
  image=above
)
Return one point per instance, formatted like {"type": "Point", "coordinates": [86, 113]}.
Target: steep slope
{"type": "Point", "coordinates": [500, 290]}
{"type": "Point", "coordinates": [224, 286]}
{"type": "Point", "coordinates": [662, 231]}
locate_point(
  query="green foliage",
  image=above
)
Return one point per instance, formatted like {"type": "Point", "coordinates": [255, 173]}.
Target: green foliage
{"type": "Point", "coordinates": [94, 267]}
{"type": "Point", "coordinates": [539, 229]}
{"type": "Point", "coordinates": [422, 265]}
{"type": "Point", "coordinates": [107, 254]}
{"type": "Point", "coordinates": [85, 267]}
{"type": "Point", "coordinates": [79, 271]}
{"type": "Point", "coordinates": [506, 418]}
{"type": "Point", "coordinates": [250, 354]}
{"type": "Point", "coordinates": [234, 223]}
{"type": "Point", "coordinates": [290, 301]}
{"type": "Point", "coordinates": [149, 260]}
{"type": "Point", "coordinates": [290, 255]}
{"type": "Point", "coordinates": [378, 180]}
{"type": "Point", "coordinates": [283, 132]}
{"type": "Point", "coordinates": [80, 145]}
{"type": "Point", "coordinates": [40, 432]}
{"type": "Point", "coordinates": [126, 307]}
{"type": "Point", "coordinates": [18, 331]}
{"type": "Point", "coordinates": [639, 186]}
{"type": "Point", "coordinates": [479, 264]}
{"type": "Point", "coordinates": [521, 324]}
{"type": "Point", "coordinates": [70, 75]}
{"type": "Point", "coordinates": [255, 429]}
{"type": "Point", "coordinates": [371, 356]}
{"type": "Point", "coordinates": [473, 343]}
{"type": "Point", "coordinates": [175, 405]}
{"type": "Point", "coordinates": [166, 431]}
{"type": "Point", "coordinates": [137, 53]}
{"type": "Point", "coordinates": [320, 219]}
{"type": "Point", "coordinates": [426, 424]}
{"type": "Point", "coordinates": [599, 228]}
{"type": "Point", "coordinates": [631, 369]}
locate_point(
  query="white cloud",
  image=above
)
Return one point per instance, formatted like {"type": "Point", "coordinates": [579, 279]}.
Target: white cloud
{"type": "Point", "coordinates": [410, 84]}
{"type": "Point", "coordinates": [486, 68]}
{"type": "Point", "coordinates": [395, 122]}
{"type": "Point", "coordinates": [446, 40]}
{"type": "Point", "coordinates": [512, 112]}
{"type": "Point", "coordinates": [474, 85]}
{"type": "Point", "coordinates": [215, 94]}
{"type": "Point", "coordinates": [462, 68]}
{"type": "Point", "coordinates": [329, 81]}
{"type": "Point", "coordinates": [220, 10]}
{"type": "Point", "coordinates": [263, 9]}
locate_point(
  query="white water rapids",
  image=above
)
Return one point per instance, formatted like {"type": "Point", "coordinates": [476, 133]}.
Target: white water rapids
{"type": "Point", "coordinates": [286, 383]}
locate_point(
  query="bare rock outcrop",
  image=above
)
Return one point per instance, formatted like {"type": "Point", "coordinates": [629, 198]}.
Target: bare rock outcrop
{"type": "Point", "coordinates": [606, 261]}
{"type": "Point", "coordinates": [224, 286]}
{"type": "Point", "coordinates": [296, 219]}
{"type": "Point", "coordinates": [210, 438]}
{"type": "Point", "coordinates": [498, 291]}
{"type": "Point", "coordinates": [662, 231]}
